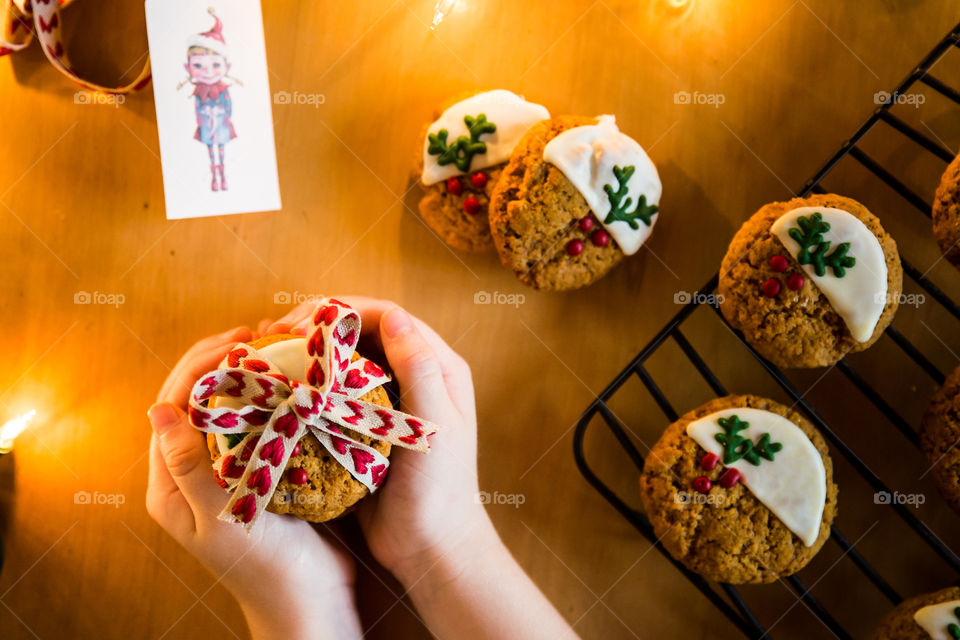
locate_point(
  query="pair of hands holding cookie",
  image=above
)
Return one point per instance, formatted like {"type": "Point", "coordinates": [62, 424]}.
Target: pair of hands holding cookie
{"type": "Point", "coordinates": [425, 525]}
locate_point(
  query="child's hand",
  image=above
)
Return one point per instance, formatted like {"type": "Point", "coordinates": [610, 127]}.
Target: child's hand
{"type": "Point", "coordinates": [289, 580]}
{"type": "Point", "coordinates": [428, 506]}
{"type": "Point", "coordinates": [425, 524]}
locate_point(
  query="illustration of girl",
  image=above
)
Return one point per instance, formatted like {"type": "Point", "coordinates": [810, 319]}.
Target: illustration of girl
{"type": "Point", "coordinates": [208, 68]}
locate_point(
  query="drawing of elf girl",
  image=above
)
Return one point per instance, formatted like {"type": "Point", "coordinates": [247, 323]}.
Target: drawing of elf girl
{"type": "Point", "coordinates": [208, 67]}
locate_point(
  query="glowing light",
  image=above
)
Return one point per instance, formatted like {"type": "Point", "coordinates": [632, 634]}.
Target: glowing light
{"type": "Point", "coordinates": [12, 428]}
{"type": "Point", "coordinates": [442, 10]}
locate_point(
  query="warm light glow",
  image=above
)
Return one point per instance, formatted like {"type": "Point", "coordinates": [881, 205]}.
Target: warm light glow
{"type": "Point", "coordinates": [442, 10]}
{"type": "Point", "coordinates": [12, 428]}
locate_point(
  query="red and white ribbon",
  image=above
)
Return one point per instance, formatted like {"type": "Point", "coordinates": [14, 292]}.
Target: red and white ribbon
{"type": "Point", "coordinates": [21, 20]}
{"type": "Point", "coordinates": [275, 412]}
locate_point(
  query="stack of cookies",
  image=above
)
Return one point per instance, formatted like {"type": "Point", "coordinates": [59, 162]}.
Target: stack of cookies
{"type": "Point", "coordinates": [562, 199]}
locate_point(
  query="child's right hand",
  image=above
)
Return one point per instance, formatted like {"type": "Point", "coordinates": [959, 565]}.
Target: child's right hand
{"type": "Point", "coordinates": [428, 507]}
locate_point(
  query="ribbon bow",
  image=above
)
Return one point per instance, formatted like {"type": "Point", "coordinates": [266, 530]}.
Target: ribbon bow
{"type": "Point", "coordinates": [273, 412]}
{"type": "Point", "coordinates": [20, 20]}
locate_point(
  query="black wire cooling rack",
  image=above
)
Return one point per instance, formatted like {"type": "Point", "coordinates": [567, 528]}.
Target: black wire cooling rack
{"type": "Point", "coordinates": [733, 606]}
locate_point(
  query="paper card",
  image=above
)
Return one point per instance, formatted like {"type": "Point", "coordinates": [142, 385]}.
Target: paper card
{"type": "Point", "coordinates": [213, 98]}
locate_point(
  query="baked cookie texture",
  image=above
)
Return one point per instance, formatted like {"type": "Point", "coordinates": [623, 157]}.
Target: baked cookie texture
{"type": "Point", "coordinates": [445, 214]}
{"type": "Point", "coordinates": [330, 490]}
{"type": "Point", "coordinates": [946, 213]}
{"type": "Point", "coordinates": [939, 437]}
{"type": "Point", "coordinates": [737, 540]}
{"type": "Point", "coordinates": [534, 211]}
{"type": "Point", "coordinates": [795, 328]}
{"type": "Point", "coordinates": [899, 623]}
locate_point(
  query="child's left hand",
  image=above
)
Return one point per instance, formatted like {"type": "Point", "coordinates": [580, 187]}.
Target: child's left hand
{"type": "Point", "coordinates": [290, 580]}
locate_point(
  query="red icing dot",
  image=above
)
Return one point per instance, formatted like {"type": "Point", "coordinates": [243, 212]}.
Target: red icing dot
{"type": "Point", "coordinates": [471, 205]}
{"type": "Point", "coordinates": [795, 282]}
{"type": "Point", "coordinates": [575, 247]}
{"type": "Point", "coordinates": [779, 264]}
{"type": "Point", "coordinates": [297, 476]}
{"type": "Point", "coordinates": [586, 223]}
{"type": "Point", "coordinates": [479, 180]}
{"type": "Point", "coordinates": [729, 478]}
{"type": "Point", "coordinates": [771, 288]}
{"type": "Point", "coordinates": [702, 484]}
{"type": "Point", "coordinates": [296, 450]}
{"type": "Point", "coordinates": [600, 238]}
{"type": "Point", "coordinates": [454, 186]}
{"type": "Point", "coordinates": [709, 461]}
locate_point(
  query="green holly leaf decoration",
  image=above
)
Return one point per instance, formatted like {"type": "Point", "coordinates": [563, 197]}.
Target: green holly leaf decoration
{"type": "Point", "coordinates": [736, 446]}
{"type": "Point", "coordinates": [619, 205]}
{"type": "Point", "coordinates": [765, 448]}
{"type": "Point", "coordinates": [953, 629]}
{"type": "Point", "coordinates": [463, 149]}
{"type": "Point", "coordinates": [813, 248]}
{"type": "Point", "coordinates": [233, 439]}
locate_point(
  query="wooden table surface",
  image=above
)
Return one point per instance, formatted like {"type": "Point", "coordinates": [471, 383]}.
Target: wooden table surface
{"type": "Point", "coordinates": [81, 209]}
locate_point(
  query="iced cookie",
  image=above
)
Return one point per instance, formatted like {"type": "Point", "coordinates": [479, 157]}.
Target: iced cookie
{"type": "Point", "coordinates": [946, 213]}
{"type": "Point", "coordinates": [810, 280]}
{"type": "Point", "coordinates": [315, 487]}
{"type": "Point", "coordinates": [740, 490]}
{"type": "Point", "coordinates": [931, 616]}
{"type": "Point", "coordinates": [464, 151]}
{"type": "Point", "coordinates": [939, 437]}
{"type": "Point", "coordinates": [576, 197]}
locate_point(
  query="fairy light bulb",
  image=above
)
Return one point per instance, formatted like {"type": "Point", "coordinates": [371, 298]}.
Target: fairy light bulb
{"type": "Point", "coordinates": [13, 428]}
{"type": "Point", "coordinates": [441, 11]}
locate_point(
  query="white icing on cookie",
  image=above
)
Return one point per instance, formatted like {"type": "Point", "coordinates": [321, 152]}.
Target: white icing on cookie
{"type": "Point", "coordinates": [935, 618]}
{"type": "Point", "coordinates": [513, 116]}
{"type": "Point", "coordinates": [793, 485]}
{"type": "Point", "coordinates": [860, 296]}
{"type": "Point", "coordinates": [586, 155]}
{"type": "Point", "coordinates": [289, 356]}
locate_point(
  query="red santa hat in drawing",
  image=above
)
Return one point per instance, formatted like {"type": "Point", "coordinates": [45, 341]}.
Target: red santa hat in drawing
{"type": "Point", "coordinates": [212, 39]}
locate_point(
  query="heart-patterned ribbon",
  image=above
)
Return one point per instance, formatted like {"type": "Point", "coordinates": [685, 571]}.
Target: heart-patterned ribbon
{"type": "Point", "coordinates": [272, 412]}
{"type": "Point", "coordinates": [21, 20]}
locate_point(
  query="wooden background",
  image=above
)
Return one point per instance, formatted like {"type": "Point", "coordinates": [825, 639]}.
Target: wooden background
{"type": "Point", "coordinates": [81, 209]}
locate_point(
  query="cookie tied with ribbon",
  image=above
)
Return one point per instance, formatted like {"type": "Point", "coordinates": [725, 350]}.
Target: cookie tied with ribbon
{"type": "Point", "coordinates": [270, 412]}
{"type": "Point", "coordinates": [22, 20]}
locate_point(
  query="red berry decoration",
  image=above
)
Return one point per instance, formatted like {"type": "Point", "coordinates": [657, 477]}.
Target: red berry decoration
{"type": "Point", "coordinates": [600, 238]}
{"type": "Point", "coordinates": [779, 264]}
{"type": "Point", "coordinates": [454, 186]}
{"type": "Point", "coordinates": [575, 247]}
{"type": "Point", "coordinates": [795, 282]}
{"type": "Point", "coordinates": [296, 450]}
{"type": "Point", "coordinates": [471, 205]}
{"type": "Point", "coordinates": [709, 461]}
{"type": "Point", "coordinates": [479, 180]}
{"type": "Point", "coordinates": [297, 476]}
{"type": "Point", "coordinates": [702, 484]}
{"type": "Point", "coordinates": [771, 288]}
{"type": "Point", "coordinates": [729, 478]}
{"type": "Point", "coordinates": [586, 223]}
